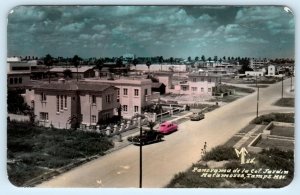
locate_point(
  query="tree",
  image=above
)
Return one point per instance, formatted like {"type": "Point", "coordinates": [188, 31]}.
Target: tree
{"type": "Point", "coordinates": [67, 73]}
{"type": "Point", "coordinates": [135, 62]}
{"type": "Point", "coordinates": [189, 59]}
{"type": "Point", "coordinates": [196, 58]}
{"type": "Point", "coordinates": [99, 66]}
{"type": "Point", "coordinates": [76, 61]}
{"type": "Point", "coordinates": [160, 61]}
{"type": "Point", "coordinates": [48, 61]}
{"type": "Point", "coordinates": [245, 66]}
{"type": "Point", "coordinates": [209, 59]}
{"type": "Point", "coordinates": [171, 60]}
{"type": "Point", "coordinates": [148, 64]}
{"type": "Point", "coordinates": [215, 58]}
{"type": "Point", "coordinates": [151, 124]}
{"type": "Point", "coordinates": [203, 58]}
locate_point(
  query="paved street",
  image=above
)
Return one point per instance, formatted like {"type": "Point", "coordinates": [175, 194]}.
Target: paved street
{"type": "Point", "coordinates": [177, 152]}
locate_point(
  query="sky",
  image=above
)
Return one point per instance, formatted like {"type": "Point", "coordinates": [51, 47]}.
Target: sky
{"type": "Point", "coordinates": [168, 31]}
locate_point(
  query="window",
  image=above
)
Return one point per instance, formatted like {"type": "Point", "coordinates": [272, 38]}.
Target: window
{"type": "Point", "coordinates": [44, 116]}
{"type": "Point", "coordinates": [11, 81]}
{"type": "Point", "coordinates": [66, 103]}
{"type": "Point", "coordinates": [136, 92]}
{"type": "Point", "coordinates": [184, 88]}
{"type": "Point", "coordinates": [57, 103]}
{"type": "Point", "coordinates": [209, 89]}
{"type": "Point", "coordinates": [125, 91]}
{"type": "Point", "coordinates": [146, 91]}
{"type": "Point", "coordinates": [15, 80]}
{"type": "Point", "coordinates": [202, 79]}
{"type": "Point", "coordinates": [61, 102]}
{"type": "Point", "coordinates": [107, 98]}
{"type": "Point", "coordinates": [43, 97]}
{"type": "Point", "coordinates": [93, 99]}
{"type": "Point", "coordinates": [118, 92]}
{"type": "Point", "coordinates": [125, 108]}
{"type": "Point", "coordinates": [194, 88]}
{"type": "Point", "coordinates": [136, 109]}
{"type": "Point", "coordinates": [93, 118]}
{"type": "Point", "coordinates": [20, 80]}
{"type": "Point", "coordinates": [209, 80]}
{"type": "Point", "coordinates": [194, 79]}
{"type": "Point", "coordinates": [202, 89]}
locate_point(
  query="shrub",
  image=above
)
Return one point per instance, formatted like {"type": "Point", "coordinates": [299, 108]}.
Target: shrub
{"type": "Point", "coordinates": [220, 153]}
{"type": "Point", "coordinates": [280, 117]}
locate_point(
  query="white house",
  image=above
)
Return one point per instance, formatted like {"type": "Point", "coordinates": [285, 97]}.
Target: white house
{"type": "Point", "coordinates": [271, 70]}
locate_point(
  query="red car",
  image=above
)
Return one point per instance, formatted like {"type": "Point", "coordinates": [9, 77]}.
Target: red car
{"type": "Point", "coordinates": [167, 127]}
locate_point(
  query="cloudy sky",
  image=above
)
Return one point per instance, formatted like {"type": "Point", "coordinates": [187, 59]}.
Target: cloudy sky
{"type": "Point", "coordinates": [170, 31]}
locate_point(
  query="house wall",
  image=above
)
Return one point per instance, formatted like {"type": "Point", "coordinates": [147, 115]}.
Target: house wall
{"type": "Point", "coordinates": [58, 119]}
{"type": "Point", "coordinates": [131, 100]}
{"type": "Point", "coordinates": [271, 70]}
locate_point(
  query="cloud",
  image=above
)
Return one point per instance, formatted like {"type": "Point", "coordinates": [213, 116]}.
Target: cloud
{"type": "Point", "coordinates": [99, 27]}
{"type": "Point", "coordinates": [74, 27]}
{"type": "Point", "coordinates": [149, 30]}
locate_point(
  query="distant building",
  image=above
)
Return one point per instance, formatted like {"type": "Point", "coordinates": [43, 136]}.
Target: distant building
{"type": "Point", "coordinates": [83, 71]}
{"type": "Point", "coordinates": [63, 104]}
{"type": "Point", "coordinates": [166, 78]}
{"type": "Point", "coordinates": [198, 84]}
{"type": "Point", "coordinates": [258, 62]}
{"type": "Point", "coordinates": [159, 87]}
{"type": "Point", "coordinates": [271, 70]}
{"type": "Point", "coordinates": [162, 67]}
{"type": "Point", "coordinates": [259, 73]}
{"type": "Point", "coordinates": [17, 79]}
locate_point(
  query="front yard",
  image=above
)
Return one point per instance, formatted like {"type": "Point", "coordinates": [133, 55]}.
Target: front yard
{"type": "Point", "coordinates": [34, 151]}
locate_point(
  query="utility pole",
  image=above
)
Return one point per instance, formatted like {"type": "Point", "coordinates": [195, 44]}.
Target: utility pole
{"type": "Point", "coordinates": [141, 157]}
{"type": "Point", "coordinates": [257, 104]}
{"type": "Point", "coordinates": [291, 83]}
{"type": "Point", "coordinates": [282, 87]}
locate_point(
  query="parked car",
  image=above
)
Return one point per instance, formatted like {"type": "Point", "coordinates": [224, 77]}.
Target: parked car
{"type": "Point", "coordinates": [167, 127]}
{"type": "Point", "coordinates": [197, 116]}
{"type": "Point", "coordinates": [149, 136]}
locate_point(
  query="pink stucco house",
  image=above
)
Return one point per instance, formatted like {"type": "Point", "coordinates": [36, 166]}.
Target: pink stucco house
{"type": "Point", "coordinates": [132, 94]}
{"type": "Point", "coordinates": [200, 83]}
{"type": "Point", "coordinates": [62, 104]}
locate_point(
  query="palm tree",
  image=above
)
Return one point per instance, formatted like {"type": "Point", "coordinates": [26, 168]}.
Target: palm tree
{"type": "Point", "coordinates": [160, 60]}
{"type": "Point", "coordinates": [148, 63]}
{"type": "Point", "coordinates": [151, 124]}
{"type": "Point", "coordinates": [203, 58]}
{"type": "Point", "coordinates": [99, 66]}
{"type": "Point", "coordinates": [76, 61]}
{"type": "Point", "coordinates": [135, 62]}
{"type": "Point", "coordinates": [48, 61]}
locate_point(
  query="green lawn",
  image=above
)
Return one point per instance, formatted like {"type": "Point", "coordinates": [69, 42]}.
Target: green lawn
{"type": "Point", "coordinates": [285, 102]}
{"type": "Point", "coordinates": [273, 159]}
{"type": "Point", "coordinates": [33, 150]}
{"type": "Point", "coordinates": [280, 117]}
